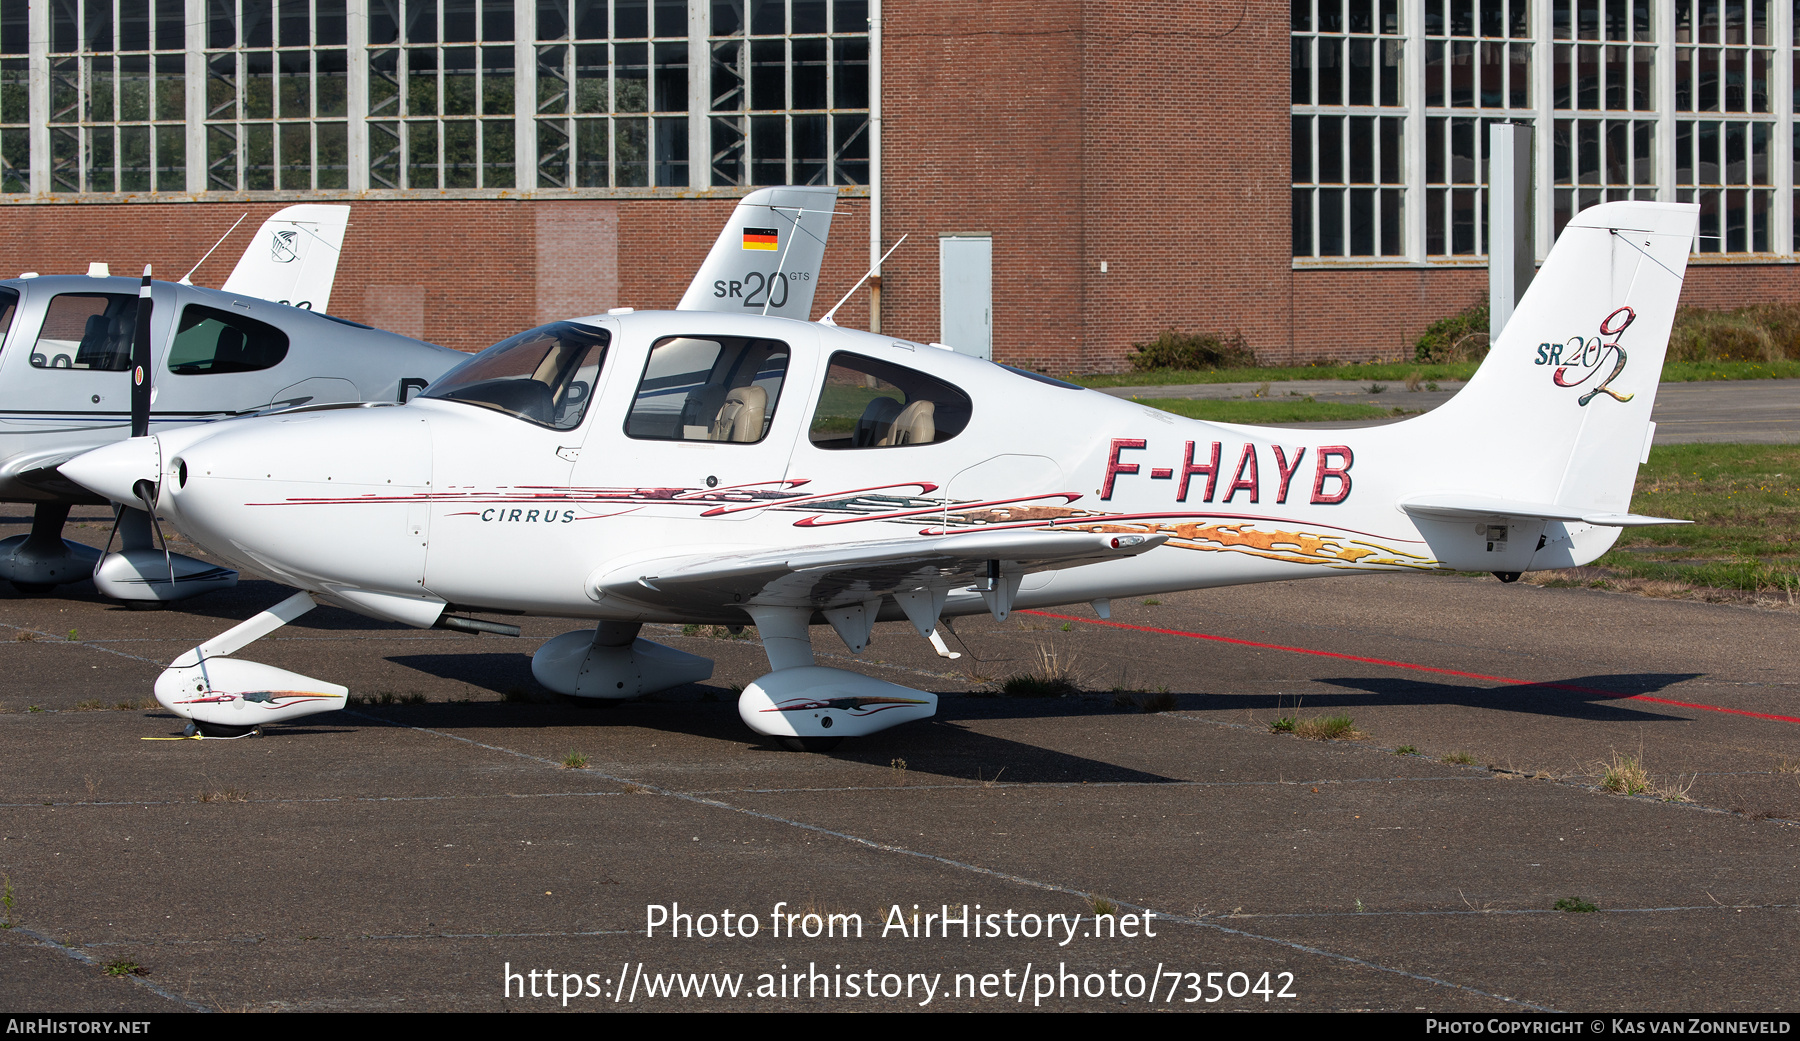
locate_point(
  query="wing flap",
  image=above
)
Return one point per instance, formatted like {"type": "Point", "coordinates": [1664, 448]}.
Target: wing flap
{"type": "Point", "coordinates": [829, 576]}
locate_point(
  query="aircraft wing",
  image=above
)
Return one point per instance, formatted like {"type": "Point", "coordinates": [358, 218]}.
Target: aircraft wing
{"type": "Point", "coordinates": [829, 576]}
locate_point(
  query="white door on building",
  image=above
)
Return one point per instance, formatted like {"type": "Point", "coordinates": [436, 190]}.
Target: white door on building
{"type": "Point", "coordinates": [966, 294]}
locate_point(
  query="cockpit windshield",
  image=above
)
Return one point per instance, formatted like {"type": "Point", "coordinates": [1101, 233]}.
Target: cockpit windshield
{"type": "Point", "coordinates": [544, 376]}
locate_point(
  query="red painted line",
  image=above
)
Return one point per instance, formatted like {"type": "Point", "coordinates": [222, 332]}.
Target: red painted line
{"type": "Point", "coordinates": [1613, 694]}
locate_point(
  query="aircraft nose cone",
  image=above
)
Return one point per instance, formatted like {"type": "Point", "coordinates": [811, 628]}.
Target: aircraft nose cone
{"type": "Point", "coordinates": [115, 470]}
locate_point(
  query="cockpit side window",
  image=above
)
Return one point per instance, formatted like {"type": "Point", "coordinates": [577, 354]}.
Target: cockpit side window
{"type": "Point", "coordinates": [867, 403]}
{"type": "Point", "coordinates": [544, 376]}
{"type": "Point", "coordinates": [9, 306]}
{"type": "Point", "coordinates": [87, 331]}
{"type": "Point", "coordinates": [708, 388]}
{"type": "Point", "coordinates": [210, 341]}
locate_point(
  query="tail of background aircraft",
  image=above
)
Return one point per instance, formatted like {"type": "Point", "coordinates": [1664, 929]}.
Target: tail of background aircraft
{"type": "Point", "coordinates": [293, 257]}
{"type": "Point", "coordinates": [767, 259]}
{"type": "Point", "coordinates": [1554, 424]}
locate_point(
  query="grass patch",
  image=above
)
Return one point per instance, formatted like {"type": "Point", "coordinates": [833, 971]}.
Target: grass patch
{"type": "Point", "coordinates": [1053, 678]}
{"type": "Point", "coordinates": [1328, 728]}
{"type": "Point", "coordinates": [1148, 702]}
{"type": "Point", "coordinates": [1271, 411]}
{"type": "Point", "coordinates": [1104, 908]}
{"type": "Point", "coordinates": [1396, 371]}
{"type": "Point", "coordinates": [1460, 759]}
{"type": "Point", "coordinates": [1576, 905]}
{"type": "Point", "coordinates": [1627, 775]}
{"type": "Point", "coordinates": [221, 795]}
{"type": "Point", "coordinates": [1745, 504]}
{"type": "Point", "coordinates": [386, 697]}
{"type": "Point", "coordinates": [8, 902]}
{"type": "Point", "coordinates": [1407, 750]}
{"type": "Point", "coordinates": [1624, 775]}
{"type": "Point", "coordinates": [716, 632]}
{"type": "Point", "coordinates": [575, 761]}
{"type": "Point", "coordinates": [125, 968]}
{"type": "Point", "coordinates": [1318, 728]}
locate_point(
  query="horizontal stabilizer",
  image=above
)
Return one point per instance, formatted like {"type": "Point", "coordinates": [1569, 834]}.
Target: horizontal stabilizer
{"type": "Point", "coordinates": [1479, 507]}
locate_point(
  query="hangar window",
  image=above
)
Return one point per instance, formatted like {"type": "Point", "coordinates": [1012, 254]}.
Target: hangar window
{"type": "Point", "coordinates": [708, 388]}
{"type": "Point", "coordinates": [1633, 99]}
{"type": "Point", "coordinates": [87, 331]}
{"type": "Point", "coordinates": [210, 341]}
{"type": "Point", "coordinates": [868, 403]}
{"type": "Point", "coordinates": [545, 376]}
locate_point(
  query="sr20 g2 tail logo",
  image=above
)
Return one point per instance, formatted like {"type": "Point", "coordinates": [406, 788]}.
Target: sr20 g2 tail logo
{"type": "Point", "coordinates": [1581, 358]}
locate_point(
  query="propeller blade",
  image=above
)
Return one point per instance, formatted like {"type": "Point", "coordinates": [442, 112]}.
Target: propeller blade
{"type": "Point", "coordinates": [140, 362]}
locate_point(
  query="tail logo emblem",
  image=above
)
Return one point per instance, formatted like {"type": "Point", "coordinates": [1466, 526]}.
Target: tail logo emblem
{"type": "Point", "coordinates": [281, 246]}
{"type": "Point", "coordinates": [1586, 356]}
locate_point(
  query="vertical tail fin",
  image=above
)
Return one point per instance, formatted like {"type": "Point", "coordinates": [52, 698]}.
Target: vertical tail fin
{"type": "Point", "coordinates": [1562, 403]}
{"type": "Point", "coordinates": [293, 257]}
{"type": "Point", "coordinates": [767, 259]}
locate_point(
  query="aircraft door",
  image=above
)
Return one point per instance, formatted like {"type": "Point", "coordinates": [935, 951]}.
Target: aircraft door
{"type": "Point", "coordinates": [506, 428]}
{"type": "Point", "coordinates": [711, 422]}
{"type": "Point", "coordinates": [69, 366]}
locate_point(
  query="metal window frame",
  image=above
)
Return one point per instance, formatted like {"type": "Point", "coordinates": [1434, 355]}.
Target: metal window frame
{"type": "Point", "coordinates": [1784, 157]}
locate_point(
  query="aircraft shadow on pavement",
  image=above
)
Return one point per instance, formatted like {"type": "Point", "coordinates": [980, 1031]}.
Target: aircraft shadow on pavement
{"type": "Point", "coordinates": [1597, 699]}
{"type": "Point", "coordinates": [942, 746]}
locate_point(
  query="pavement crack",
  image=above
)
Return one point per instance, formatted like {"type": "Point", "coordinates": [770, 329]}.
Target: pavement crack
{"type": "Point", "coordinates": [83, 957]}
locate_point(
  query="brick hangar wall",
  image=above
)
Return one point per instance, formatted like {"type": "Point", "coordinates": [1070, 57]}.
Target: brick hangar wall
{"type": "Point", "coordinates": [462, 273]}
{"type": "Point", "coordinates": [1152, 136]}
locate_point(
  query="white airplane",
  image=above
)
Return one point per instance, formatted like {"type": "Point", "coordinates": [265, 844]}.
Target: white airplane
{"type": "Point", "coordinates": [231, 353]}
{"type": "Point", "coordinates": [734, 469]}
{"type": "Point", "coordinates": [65, 381]}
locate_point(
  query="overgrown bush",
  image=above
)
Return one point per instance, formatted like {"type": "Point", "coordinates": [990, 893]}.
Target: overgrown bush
{"type": "Point", "coordinates": [1461, 337]}
{"type": "Point", "coordinates": [1760, 332]}
{"type": "Point", "coordinates": [1178, 350]}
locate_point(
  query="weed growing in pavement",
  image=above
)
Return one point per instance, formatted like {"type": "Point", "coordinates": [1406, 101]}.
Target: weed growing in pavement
{"type": "Point", "coordinates": [1407, 750]}
{"type": "Point", "coordinates": [1576, 905]}
{"type": "Point", "coordinates": [221, 795]}
{"type": "Point", "coordinates": [1104, 908]}
{"type": "Point", "coordinates": [24, 636]}
{"type": "Point", "coordinates": [1153, 603]}
{"type": "Point", "coordinates": [1329, 728]}
{"type": "Point", "coordinates": [8, 902]}
{"type": "Point", "coordinates": [1624, 775]}
{"type": "Point", "coordinates": [1283, 725]}
{"type": "Point", "coordinates": [89, 705]}
{"type": "Point", "coordinates": [898, 765]}
{"type": "Point", "coordinates": [125, 968]}
{"type": "Point", "coordinates": [1460, 758]}
{"type": "Point", "coordinates": [72, 636]}
{"type": "Point", "coordinates": [574, 761]}
{"type": "Point", "coordinates": [1053, 678]}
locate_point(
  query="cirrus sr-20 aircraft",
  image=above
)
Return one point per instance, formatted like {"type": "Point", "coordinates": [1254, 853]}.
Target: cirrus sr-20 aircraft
{"type": "Point", "coordinates": [733, 469]}
{"type": "Point", "coordinates": [262, 344]}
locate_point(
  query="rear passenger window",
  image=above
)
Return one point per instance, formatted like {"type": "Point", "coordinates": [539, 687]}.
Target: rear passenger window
{"type": "Point", "coordinates": [212, 341]}
{"type": "Point", "coordinates": [713, 388]}
{"type": "Point", "coordinates": [868, 403]}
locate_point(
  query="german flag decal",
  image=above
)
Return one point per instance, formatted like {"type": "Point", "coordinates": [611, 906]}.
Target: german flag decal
{"type": "Point", "coordinates": [759, 238]}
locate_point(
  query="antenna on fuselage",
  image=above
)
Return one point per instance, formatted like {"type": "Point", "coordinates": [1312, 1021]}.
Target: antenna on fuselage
{"type": "Point", "coordinates": [826, 320]}
{"type": "Point", "coordinates": [187, 279]}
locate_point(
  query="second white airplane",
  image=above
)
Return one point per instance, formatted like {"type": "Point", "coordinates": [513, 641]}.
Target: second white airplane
{"type": "Point", "coordinates": [743, 470]}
